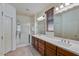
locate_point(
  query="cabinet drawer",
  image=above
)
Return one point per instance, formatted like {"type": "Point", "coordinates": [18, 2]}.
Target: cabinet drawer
{"type": "Point", "coordinates": [65, 52]}
{"type": "Point", "coordinates": [50, 52]}
{"type": "Point", "coordinates": [41, 41]}
{"type": "Point", "coordinates": [48, 45]}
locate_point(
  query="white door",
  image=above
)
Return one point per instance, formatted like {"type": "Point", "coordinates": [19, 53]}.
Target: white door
{"type": "Point", "coordinates": [1, 32]}
{"type": "Point", "coordinates": [7, 33]}
{"type": "Point", "coordinates": [25, 34]}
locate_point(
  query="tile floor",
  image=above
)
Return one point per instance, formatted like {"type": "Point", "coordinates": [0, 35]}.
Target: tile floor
{"type": "Point", "coordinates": [23, 51]}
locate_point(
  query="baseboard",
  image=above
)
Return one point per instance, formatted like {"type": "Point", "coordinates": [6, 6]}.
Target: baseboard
{"type": "Point", "coordinates": [13, 49]}
{"type": "Point", "coordinates": [22, 45]}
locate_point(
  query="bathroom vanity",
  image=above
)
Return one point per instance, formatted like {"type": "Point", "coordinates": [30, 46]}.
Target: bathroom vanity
{"type": "Point", "coordinates": [53, 47]}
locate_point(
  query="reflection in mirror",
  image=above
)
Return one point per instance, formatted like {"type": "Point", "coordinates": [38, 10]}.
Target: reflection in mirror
{"type": "Point", "coordinates": [18, 30]}
{"type": "Point", "coordinates": [66, 24]}
{"type": "Point", "coordinates": [41, 27]}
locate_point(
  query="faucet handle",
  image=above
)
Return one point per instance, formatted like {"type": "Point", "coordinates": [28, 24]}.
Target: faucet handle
{"type": "Point", "coordinates": [62, 40]}
{"type": "Point", "coordinates": [68, 42]}
{"type": "Point", "coordinates": [65, 41]}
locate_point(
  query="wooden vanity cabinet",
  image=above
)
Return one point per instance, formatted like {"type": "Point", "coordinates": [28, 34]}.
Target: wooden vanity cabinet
{"type": "Point", "coordinates": [50, 49]}
{"type": "Point", "coordinates": [41, 46]}
{"type": "Point", "coordinates": [63, 52]}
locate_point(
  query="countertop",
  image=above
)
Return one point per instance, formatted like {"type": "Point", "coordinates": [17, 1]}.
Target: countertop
{"type": "Point", "coordinates": [72, 45]}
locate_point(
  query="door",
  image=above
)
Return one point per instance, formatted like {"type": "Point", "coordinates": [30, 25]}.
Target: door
{"type": "Point", "coordinates": [7, 33]}
{"type": "Point", "coordinates": [1, 32]}
{"type": "Point", "coordinates": [25, 34]}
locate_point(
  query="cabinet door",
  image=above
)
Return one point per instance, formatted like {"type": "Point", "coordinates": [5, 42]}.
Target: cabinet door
{"type": "Point", "coordinates": [63, 52]}
{"type": "Point", "coordinates": [41, 46]}
{"type": "Point", "coordinates": [50, 49]}
{"type": "Point", "coordinates": [41, 51]}
{"type": "Point", "coordinates": [50, 52]}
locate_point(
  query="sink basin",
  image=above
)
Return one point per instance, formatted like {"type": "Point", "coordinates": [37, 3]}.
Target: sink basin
{"type": "Point", "coordinates": [64, 43]}
{"type": "Point", "coordinates": [58, 40]}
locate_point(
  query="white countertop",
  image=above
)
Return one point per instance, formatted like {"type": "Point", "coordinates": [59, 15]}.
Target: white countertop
{"type": "Point", "coordinates": [73, 45]}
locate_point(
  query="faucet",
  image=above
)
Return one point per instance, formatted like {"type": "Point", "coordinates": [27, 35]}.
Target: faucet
{"type": "Point", "coordinates": [65, 41]}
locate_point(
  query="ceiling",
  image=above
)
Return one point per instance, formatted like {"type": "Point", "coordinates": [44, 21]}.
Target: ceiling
{"type": "Point", "coordinates": [31, 8]}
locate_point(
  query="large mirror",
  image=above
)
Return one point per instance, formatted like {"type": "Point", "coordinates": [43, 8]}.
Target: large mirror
{"type": "Point", "coordinates": [66, 24]}
{"type": "Point", "coordinates": [41, 25]}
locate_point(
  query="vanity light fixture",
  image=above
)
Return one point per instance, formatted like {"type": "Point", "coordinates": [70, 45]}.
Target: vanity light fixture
{"type": "Point", "coordinates": [56, 8]}
{"type": "Point", "coordinates": [61, 6]}
{"type": "Point", "coordinates": [41, 18]}
{"type": "Point", "coordinates": [66, 4]}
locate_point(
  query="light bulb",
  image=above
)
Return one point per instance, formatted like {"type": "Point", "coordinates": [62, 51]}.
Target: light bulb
{"type": "Point", "coordinates": [67, 4]}
{"type": "Point", "coordinates": [56, 8]}
{"type": "Point", "coordinates": [61, 6]}
{"type": "Point", "coordinates": [41, 18]}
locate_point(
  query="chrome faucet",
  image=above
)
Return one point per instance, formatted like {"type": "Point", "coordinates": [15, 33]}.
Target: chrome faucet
{"type": "Point", "coordinates": [65, 41]}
